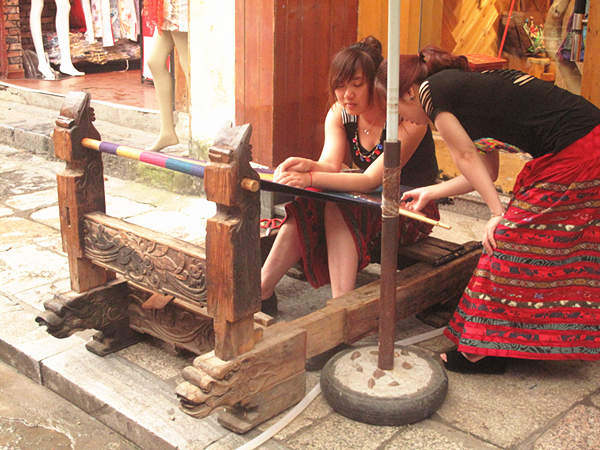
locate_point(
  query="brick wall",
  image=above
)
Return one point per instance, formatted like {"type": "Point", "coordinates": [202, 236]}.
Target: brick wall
{"type": "Point", "coordinates": [15, 34]}
{"type": "Point", "coordinates": [12, 49]}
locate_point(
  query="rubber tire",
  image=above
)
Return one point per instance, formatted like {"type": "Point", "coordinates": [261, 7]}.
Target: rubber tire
{"type": "Point", "coordinates": [385, 411]}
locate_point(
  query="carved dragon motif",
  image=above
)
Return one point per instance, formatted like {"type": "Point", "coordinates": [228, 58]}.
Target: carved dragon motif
{"type": "Point", "coordinates": [145, 262]}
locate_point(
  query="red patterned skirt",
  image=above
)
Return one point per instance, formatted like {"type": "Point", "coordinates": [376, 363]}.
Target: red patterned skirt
{"type": "Point", "coordinates": [538, 295]}
{"type": "Point", "coordinates": [363, 222]}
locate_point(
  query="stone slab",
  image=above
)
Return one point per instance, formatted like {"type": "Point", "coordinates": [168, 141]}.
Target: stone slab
{"type": "Point", "coordinates": [568, 432]}
{"type": "Point", "coordinates": [23, 343]}
{"type": "Point", "coordinates": [505, 409]}
{"type": "Point", "coordinates": [130, 400]}
{"type": "Point", "coordinates": [34, 417]}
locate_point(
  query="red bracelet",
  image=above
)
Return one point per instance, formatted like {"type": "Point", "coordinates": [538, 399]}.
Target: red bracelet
{"type": "Point", "coordinates": [310, 174]}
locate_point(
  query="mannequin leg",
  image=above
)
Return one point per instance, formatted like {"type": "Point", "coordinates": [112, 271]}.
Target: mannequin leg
{"type": "Point", "coordinates": [180, 40]}
{"type": "Point", "coordinates": [63, 7]}
{"type": "Point", "coordinates": [283, 255]}
{"type": "Point", "coordinates": [342, 258]}
{"type": "Point", "coordinates": [163, 84]}
{"type": "Point", "coordinates": [35, 24]}
{"type": "Point", "coordinates": [89, 21]}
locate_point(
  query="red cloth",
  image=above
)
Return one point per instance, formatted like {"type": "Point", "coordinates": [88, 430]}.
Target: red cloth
{"type": "Point", "coordinates": [77, 17]}
{"type": "Point", "coordinates": [363, 222]}
{"type": "Point", "coordinates": [153, 11]}
{"type": "Point", "coordinates": [538, 295]}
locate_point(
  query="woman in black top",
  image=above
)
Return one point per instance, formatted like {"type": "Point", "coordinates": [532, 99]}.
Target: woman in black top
{"type": "Point", "coordinates": [536, 290]}
{"type": "Point", "coordinates": [333, 240]}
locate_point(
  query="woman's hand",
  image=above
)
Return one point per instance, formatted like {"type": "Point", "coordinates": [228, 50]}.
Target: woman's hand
{"type": "Point", "coordinates": [294, 179]}
{"type": "Point", "coordinates": [294, 164]}
{"type": "Point", "coordinates": [489, 243]}
{"type": "Point", "coordinates": [416, 199]}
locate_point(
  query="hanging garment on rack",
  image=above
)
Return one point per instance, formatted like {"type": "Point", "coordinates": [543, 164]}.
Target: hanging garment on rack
{"type": "Point", "coordinates": [115, 23]}
{"type": "Point", "coordinates": [107, 34]}
{"type": "Point", "coordinates": [96, 6]}
{"type": "Point", "coordinates": [128, 19]}
{"type": "Point", "coordinates": [171, 15]}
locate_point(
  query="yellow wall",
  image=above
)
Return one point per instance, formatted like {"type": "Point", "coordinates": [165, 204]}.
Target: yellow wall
{"type": "Point", "coordinates": [373, 19]}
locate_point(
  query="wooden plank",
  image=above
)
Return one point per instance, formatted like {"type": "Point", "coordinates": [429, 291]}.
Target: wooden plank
{"type": "Point", "coordinates": [356, 313]}
{"type": "Point", "coordinates": [372, 20]}
{"type": "Point", "coordinates": [590, 82]}
{"type": "Point", "coordinates": [148, 259]}
{"type": "Point", "coordinates": [431, 24]}
{"type": "Point", "coordinates": [212, 383]}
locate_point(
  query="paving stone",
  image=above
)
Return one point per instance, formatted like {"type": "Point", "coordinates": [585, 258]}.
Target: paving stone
{"type": "Point", "coordinates": [33, 200]}
{"type": "Point", "coordinates": [129, 399]}
{"type": "Point", "coordinates": [505, 409]}
{"type": "Point", "coordinates": [430, 435]}
{"type": "Point", "coordinates": [49, 422]}
{"type": "Point", "coordinates": [48, 216]}
{"type": "Point", "coordinates": [23, 344]}
{"type": "Point", "coordinates": [578, 429]}
{"type": "Point", "coordinates": [26, 270]}
{"type": "Point", "coordinates": [122, 207]}
{"type": "Point", "coordinates": [38, 295]}
{"type": "Point", "coordinates": [18, 232]}
{"type": "Point", "coordinates": [336, 432]}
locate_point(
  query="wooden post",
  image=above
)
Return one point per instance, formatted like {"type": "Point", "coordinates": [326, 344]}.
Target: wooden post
{"type": "Point", "coordinates": [232, 244]}
{"type": "Point", "coordinates": [80, 187]}
{"type": "Point", "coordinates": [389, 254]}
{"type": "Point", "coordinates": [590, 82]}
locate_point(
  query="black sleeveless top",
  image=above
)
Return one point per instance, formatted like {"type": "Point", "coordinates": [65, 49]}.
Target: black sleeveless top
{"type": "Point", "coordinates": [420, 170]}
{"type": "Point", "coordinates": [511, 106]}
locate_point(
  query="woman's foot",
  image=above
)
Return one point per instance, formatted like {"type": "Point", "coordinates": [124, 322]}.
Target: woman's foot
{"type": "Point", "coordinates": [456, 361]}
{"type": "Point", "coordinates": [269, 305]}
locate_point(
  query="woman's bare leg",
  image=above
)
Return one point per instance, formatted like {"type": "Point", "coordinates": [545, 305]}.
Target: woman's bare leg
{"type": "Point", "coordinates": [342, 257]}
{"type": "Point", "coordinates": [283, 255]}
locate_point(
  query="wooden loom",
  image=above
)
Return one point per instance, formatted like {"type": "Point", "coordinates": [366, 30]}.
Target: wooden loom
{"type": "Point", "coordinates": [252, 369]}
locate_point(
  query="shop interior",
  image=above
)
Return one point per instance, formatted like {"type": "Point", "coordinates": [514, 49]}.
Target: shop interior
{"type": "Point", "coordinates": [109, 38]}
{"type": "Point", "coordinates": [107, 46]}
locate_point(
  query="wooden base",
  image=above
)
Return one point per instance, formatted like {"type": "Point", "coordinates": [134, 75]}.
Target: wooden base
{"type": "Point", "coordinates": [248, 385]}
{"type": "Point", "coordinates": [260, 407]}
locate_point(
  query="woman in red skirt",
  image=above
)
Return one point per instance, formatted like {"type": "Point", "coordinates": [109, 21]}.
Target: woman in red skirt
{"type": "Point", "coordinates": [334, 241]}
{"type": "Point", "coordinates": [536, 290]}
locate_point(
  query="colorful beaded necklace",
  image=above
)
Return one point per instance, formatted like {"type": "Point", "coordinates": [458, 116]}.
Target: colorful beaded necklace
{"type": "Point", "coordinates": [364, 154]}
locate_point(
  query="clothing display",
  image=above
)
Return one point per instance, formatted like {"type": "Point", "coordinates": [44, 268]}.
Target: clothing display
{"type": "Point", "coordinates": [537, 296]}
{"type": "Point", "coordinates": [364, 223]}
{"type": "Point", "coordinates": [171, 15]}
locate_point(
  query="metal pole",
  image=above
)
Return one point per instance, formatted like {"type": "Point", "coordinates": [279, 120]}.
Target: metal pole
{"type": "Point", "coordinates": [391, 197]}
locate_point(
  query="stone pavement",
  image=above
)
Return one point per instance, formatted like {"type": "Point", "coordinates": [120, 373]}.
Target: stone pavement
{"type": "Point", "coordinates": [535, 405]}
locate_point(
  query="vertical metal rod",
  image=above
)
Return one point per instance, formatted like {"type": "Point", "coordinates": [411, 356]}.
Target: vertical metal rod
{"type": "Point", "coordinates": [391, 194]}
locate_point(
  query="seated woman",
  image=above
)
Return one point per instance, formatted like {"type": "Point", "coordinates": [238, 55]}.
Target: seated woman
{"type": "Point", "coordinates": [333, 240]}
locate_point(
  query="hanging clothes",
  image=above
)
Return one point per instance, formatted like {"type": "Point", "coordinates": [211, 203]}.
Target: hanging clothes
{"type": "Point", "coordinates": [96, 6]}
{"type": "Point", "coordinates": [171, 15]}
{"type": "Point", "coordinates": [128, 19]}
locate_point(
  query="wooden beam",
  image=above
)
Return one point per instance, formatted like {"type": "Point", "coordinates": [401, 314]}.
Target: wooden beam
{"type": "Point", "coordinates": [348, 318]}
{"type": "Point", "coordinates": [146, 258]}
{"type": "Point", "coordinates": [590, 82]}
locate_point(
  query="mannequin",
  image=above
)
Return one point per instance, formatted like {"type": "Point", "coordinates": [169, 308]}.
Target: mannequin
{"type": "Point", "coordinates": [172, 33]}
{"type": "Point", "coordinates": [63, 8]}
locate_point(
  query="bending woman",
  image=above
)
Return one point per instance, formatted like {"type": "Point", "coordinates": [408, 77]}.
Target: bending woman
{"type": "Point", "coordinates": [335, 241]}
{"type": "Point", "coordinates": [536, 290]}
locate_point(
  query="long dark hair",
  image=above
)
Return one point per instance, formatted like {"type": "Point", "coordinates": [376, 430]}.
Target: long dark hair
{"type": "Point", "coordinates": [365, 55]}
{"type": "Point", "coordinates": [414, 69]}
